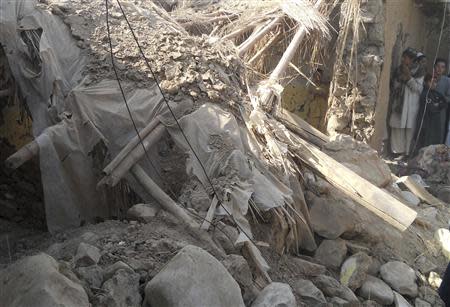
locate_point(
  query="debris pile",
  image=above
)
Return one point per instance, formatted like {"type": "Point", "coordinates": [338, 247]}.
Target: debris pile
{"type": "Point", "coordinates": [230, 200]}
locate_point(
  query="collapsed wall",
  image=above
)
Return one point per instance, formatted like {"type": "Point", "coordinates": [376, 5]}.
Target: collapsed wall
{"type": "Point", "coordinates": [357, 71]}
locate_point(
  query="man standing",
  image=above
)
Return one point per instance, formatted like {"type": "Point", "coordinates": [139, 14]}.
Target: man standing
{"type": "Point", "coordinates": [443, 87]}
{"type": "Point", "coordinates": [431, 126]}
{"type": "Point", "coordinates": [405, 92]}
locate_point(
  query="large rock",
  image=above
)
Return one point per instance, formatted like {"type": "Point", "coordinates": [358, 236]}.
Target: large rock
{"type": "Point", "coordinates": [331, 253]}
{"type": "Point", "coordinates": [421, 303]}
{"type": "Point", "coordinates": [400, 277]}
{"type": "Point", "coordinates": [274, 295]}
{"type": "Point", "coordinates": [354, 270]}
{"type": "Point", "coordinates": [226, 236]}
{"type": "Point", "coordinates": [306, 268]}
{"type": "Point", "coordinates": [36, 282]}
{"type": "Point", "coordinates": [328, 220]}
{"type": "Point", "coordinates": [433, 163]}
{"type": "Point", "coordinates": [360, 158]}
{"type": "Point", "coordinates": [143, 212]}
{"type": "Point", "coordinates": [93, 275]}
{"type": "Point", "coordinates": [238, 267]}
{"type": "Point", "coordinates": [87, 255]}
{"type": "Point", "coordinates": [400, 301]}
{"type": "Point", "coordinates": [332, 288]}
{"type": "Point", "coordinates": [377, 290]}
{"type": "Point", "coordinates": [309, 294]}
{"type": "Point", "coordinates": [113, 268]}
{"type": "Point", "coordinates": [337, 301]}
{"type": "Point", "coordinates": [122, 290]}
{"type": "Point", "coordinates": [193, 278]}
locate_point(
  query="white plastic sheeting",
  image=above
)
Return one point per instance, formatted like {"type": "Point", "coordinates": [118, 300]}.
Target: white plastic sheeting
{"type": "Point", "coordinates": [54, 89]}
{"type": "Point", "coordinates": [222, 147]}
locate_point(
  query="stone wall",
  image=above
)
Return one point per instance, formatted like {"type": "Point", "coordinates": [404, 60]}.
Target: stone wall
{"type": "Point", "coordinates": [359, 100]}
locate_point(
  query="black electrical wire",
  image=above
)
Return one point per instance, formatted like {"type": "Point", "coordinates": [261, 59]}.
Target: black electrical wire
{"type": "Point", "coordinates": [169, 108]}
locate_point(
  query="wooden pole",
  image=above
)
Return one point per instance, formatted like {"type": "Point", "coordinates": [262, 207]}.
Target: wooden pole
{"type": "Point", "coordinates": [133, 157]}
{"type": "Point", "coordinates": [23, 155]}
{"type": "Point", "coordinates": [263, 49]}
{"type": "Point", "coordinates": [252, 40]}
{"type": "Point", "coordinates": [161, 197]}
{"type": "Point", "coordinates": [131, 145]}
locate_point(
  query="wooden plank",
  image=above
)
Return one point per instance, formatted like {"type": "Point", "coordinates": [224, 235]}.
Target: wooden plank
{"type": "Point", "coordinates": [210, 214]}
{"type": "Point", "coordinates": [301, 127]}
{"type": "Point", "coordinates": [362, 191]}
{"type": "Point", "coordinates": [420, 191]}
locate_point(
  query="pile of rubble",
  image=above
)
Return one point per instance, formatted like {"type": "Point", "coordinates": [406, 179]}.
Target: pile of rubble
{"type": "Point", "coordinates": [274, 215]}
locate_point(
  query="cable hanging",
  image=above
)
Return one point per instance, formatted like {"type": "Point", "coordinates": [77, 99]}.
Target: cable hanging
{"type": "Point", "coordinates": [168, 107]}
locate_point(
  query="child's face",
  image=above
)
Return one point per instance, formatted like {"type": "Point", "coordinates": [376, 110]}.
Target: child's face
{"type": "Point", "coordinates": [439, 68]}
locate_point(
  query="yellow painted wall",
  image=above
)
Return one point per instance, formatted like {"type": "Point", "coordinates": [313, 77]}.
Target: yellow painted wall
{"type": "Point", "coordinates": [15, 125]}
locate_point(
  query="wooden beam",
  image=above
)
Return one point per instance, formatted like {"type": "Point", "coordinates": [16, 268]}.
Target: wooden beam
{"type": "Point", "coordinates": [131, 145]}
{"type": "Point", "coordinates": [362, 191]}
{"type": "Point", "coordinates": [301, 127]}
{"type": "Point", "coordinates": [161, 197]}
{"type": "Point", "coordinates": [420, 191]}
{"type": "Point", "coordinates": [133, 157]}
{"type": "Point", "coordinates": [253, 39]}
{"type": "Point", "coordinates": [24, 154]}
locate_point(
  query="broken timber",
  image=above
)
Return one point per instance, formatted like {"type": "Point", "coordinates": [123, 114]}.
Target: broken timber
{"type": "Point", "coordinates": [24, 154]}
{"type": "Point", "coordinates": [359, 189]}
{"type": "Point", "coordinates": [420, 191]}
{"type": "Point", "coordinates": [161, 197]}
{"type": "Point", "coordinates": [301, 127]}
